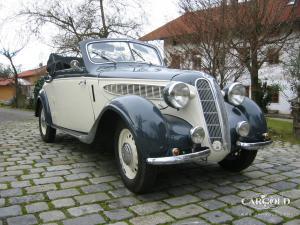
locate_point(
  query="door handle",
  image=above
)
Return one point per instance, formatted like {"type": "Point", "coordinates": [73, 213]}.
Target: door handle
{"type": "Point", "coordinates": [82, 82]}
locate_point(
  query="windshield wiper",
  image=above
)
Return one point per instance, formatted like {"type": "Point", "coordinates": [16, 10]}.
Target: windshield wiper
{"type": "Point", "coordinates": [140, 55]}
{"type": "Point", "coordinates": [103, 56]}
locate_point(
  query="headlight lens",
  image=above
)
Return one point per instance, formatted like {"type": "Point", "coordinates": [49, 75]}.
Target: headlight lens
{"type": "Point", "coordinates": [236, 93]}
{"type": "Point", "coordinates": [197, 135]}
{"type": "Point", "coordinates": [243, 128]}
{"type": "Point", "coordinates": [177, 95]}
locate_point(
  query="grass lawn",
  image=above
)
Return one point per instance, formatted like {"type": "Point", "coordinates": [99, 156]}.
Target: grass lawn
{"type": "Point", "coordinates": [282, 130]}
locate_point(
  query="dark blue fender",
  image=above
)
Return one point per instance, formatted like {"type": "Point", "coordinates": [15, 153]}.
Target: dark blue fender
{"type": "Point", "coordinates": [248, 111]}
{"type": "Point", "coordinates": [155, 134]}
{"type": "Point", "coordinates": [42, 99]}
{"type": "Point", "coordinates": [178, 134]}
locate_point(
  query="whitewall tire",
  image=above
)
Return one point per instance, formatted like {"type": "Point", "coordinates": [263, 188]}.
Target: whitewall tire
{"type": "Point", "coordinates": [47, 133]}
{"type": "Point", "coordinates": [136, 174]}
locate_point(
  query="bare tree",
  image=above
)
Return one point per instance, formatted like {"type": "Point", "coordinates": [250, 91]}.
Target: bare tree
{"type": "Point", "coordinates": [10, 54]}
{"type": "Point", "coordinates": [237, 34]}
{"type": "Point", "coordinates": [261, 28]}
{"type": "Point", "coordinates": [5, 71]}
{"type": "Point", "coordinates": [293, 72]}
{"type": "Point", "coordinates": [87, 19]}
{"type": "Point", "coordinates": [210, 39]}
{"type": "Point", "coordinates": [11, 44]}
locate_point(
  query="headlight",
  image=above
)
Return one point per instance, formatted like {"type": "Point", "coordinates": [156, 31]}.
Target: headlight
{"type": "Point", "coordinates": [236, 93]}
{"type": "Point", "coordinates": [197, 135]}
{"type": "Point", "coordinates": [243, 128]}
{"type": "Point", "coordinates": [177, 95]}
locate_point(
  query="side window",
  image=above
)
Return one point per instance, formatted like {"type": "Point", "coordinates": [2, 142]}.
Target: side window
{"type": "Point", "coordinates": [273, 56]}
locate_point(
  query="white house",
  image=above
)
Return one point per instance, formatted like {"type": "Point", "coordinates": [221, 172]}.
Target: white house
{"type": "Point", "coordinates": [272, 72]}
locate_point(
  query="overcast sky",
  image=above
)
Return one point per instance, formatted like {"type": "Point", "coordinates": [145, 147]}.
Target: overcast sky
{"type": "Point", "coordinates": [37, 51]}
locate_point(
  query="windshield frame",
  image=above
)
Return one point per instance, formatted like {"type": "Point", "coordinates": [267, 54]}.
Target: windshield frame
{"type": "Point", "coordinates": [128, 43]}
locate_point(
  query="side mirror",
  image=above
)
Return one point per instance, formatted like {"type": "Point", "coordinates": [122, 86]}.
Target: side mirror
{"type": "Point", "coordinates": [74, 64]}
{"type": "Point", "coordinates": [48, 78]}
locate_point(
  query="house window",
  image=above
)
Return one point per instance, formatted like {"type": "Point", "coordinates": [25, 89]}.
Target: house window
{"type": "Point", "coordinates": [175, 61]}
{"type": "Point", "coordinates": [244, 53]}
{"type": "Point", "coordinates": [196, 59]}
{"type": "Point", "coordinates": [247, 90]}
{"type": "Point", "coordinates": [273, 56]}
{"type": "Point", "coordinates": [174, 42]}
{"type": "Point", "coordinates": [275, 96]}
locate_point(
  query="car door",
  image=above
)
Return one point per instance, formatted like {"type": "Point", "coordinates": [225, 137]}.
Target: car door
{"type": "Point", "coordinates": [72, 102]}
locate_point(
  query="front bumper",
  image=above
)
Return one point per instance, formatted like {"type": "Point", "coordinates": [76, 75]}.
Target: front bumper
{"type": "Point", "coordinates": [252, 146]}
{"type": "Point", "coordinates": [179, 159]}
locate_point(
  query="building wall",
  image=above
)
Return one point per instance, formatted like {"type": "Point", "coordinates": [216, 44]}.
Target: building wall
{"type": "Point", "coordinates": [6, 93]}
{"type": "Point", "coordinates": [270, 73]}
{"type": "Point", "coordinates": [32, 79]}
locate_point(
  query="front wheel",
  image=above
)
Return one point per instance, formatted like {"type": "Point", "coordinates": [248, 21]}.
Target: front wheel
{"type": "Point", "coordinates": [136, 174]}
{"type": "Point", "coordinates": [47, 133]}
{"type": "Point", "coordinates": [238, 160]}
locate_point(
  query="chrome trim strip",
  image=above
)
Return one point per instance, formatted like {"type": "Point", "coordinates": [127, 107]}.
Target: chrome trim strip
{"type": "Point", "coordinates": [253, 146]}
{"type": "Point", "coordinates": [221, 113]}
{"type": "Point", "coordinates": [179, 159]}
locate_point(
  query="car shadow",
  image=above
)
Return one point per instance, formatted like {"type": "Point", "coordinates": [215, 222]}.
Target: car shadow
{"type": "Point", "coordinates": [177, 179]}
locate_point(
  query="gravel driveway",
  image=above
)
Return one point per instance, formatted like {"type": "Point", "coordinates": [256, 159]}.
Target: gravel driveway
{"type": "Point", "coordinates": [68, 183]}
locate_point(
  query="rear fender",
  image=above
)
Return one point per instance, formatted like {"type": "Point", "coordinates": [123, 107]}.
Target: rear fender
{"type": "Point", "coordinates": [43, 101]}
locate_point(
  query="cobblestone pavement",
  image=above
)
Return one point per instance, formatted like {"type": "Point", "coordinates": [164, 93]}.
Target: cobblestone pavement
{"type": "Point", "coordinates": [68, 183]}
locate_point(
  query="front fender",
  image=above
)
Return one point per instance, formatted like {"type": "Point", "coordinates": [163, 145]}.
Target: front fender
{"type": "Point", "coordinates": [145, 120]}
{"type": "Point", "coordinates": [248, 111]}
{"type": "Point", "coordinates": [155, 134]}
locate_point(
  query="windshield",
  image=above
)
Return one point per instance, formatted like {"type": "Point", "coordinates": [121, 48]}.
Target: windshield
{"type": "Point", "coordinates": [122, 51]}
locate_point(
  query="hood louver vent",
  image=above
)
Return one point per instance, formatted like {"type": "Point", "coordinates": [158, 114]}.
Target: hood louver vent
{"type": "Point", "coordinates": [147, 91]}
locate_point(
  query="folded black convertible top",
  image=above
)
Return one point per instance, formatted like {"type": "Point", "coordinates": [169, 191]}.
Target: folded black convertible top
{"type": "Point", "coordinates": [57, 62]}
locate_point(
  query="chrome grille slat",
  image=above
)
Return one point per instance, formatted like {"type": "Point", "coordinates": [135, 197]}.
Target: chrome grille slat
{"type": "Point", "coordinates": [147, 91]}
{"type": "Point", "coordinates": [210, 110]}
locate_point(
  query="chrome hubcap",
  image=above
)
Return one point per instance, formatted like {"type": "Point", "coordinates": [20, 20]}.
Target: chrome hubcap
{"type": "Point", "coordinates": [128, 154]}
{"type": "Point", "coordinates": [43, 122]}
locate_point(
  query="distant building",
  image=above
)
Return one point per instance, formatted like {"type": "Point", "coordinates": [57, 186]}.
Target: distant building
{"type": "Point", "coordinates": [7, 90]}
{"type": "Point", "coordinates": [272, 72]}
{"type": "Point", "coordinates": [26, 80]}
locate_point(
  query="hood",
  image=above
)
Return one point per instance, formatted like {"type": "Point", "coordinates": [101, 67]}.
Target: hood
{"type": "Point", "coordinates": [148, 72]}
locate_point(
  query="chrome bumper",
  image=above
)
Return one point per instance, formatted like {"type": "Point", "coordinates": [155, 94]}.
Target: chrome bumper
{"type": "Point", "coordinates": [179, 159]}
{"type": "Point", "coordinates": [252, 146]}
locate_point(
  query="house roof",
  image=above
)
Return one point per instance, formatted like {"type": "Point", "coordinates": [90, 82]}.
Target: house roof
{"type": "Point", "coordinates": [9, 81]}
{"type": "Point", "coordinates": [35, 72]}
{"type": "Point", "coordinates": [185, 25]}
{"type": "Point", "coordinates": [6, 82]}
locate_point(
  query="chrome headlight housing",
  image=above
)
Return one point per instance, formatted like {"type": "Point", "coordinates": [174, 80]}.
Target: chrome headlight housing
{"type": "Point", "coordinates": [236, 93]}
{"type": "Point", "coordinates": [177, 95]}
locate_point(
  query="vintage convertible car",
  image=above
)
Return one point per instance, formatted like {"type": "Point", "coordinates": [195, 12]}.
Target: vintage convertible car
{"type": "Point", "coordinates": [120, 96]}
